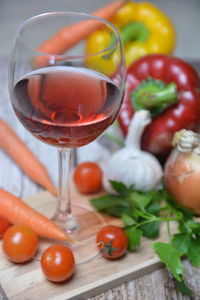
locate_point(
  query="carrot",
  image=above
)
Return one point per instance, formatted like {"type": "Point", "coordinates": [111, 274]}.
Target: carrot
{"type": "Point", "coordinates": [18, 212]}
{"type": "Point", "coordinates": [25, 159]}
{"type": "Point", "coordinates": [72, 34]}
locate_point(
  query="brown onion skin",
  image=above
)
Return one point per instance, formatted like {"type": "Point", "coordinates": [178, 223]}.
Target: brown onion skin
{"type": "Point", "coordinates": [182, 179]}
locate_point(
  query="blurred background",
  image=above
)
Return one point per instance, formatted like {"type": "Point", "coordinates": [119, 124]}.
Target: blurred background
{"type": "Point", "coordinates": [185, 15]}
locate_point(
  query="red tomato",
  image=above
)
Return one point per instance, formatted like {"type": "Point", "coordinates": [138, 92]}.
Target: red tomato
{"type": "Point", "coordinates": [114, 240]}
{"type": "Point", "coordinates": [20, 243]}
{"type": "Point", "coordinates": [88, 177]}
{"type": "Point", "coordinates": [4, 225]}
{"type": "Point", "coordinates": [58, 263]}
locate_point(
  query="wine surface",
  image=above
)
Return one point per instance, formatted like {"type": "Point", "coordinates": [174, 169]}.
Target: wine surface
{"type": "Point", "coordinates": [66, 106]}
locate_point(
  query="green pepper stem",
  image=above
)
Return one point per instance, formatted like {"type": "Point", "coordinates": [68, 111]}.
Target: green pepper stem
{"type": "Point", "coordinates": [134, 31]}
{"type": "Point", "coordinates": [149, 98]}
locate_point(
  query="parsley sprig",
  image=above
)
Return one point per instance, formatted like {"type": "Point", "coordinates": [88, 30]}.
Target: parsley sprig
{"type": "Point", "coordinates": [142, 214]}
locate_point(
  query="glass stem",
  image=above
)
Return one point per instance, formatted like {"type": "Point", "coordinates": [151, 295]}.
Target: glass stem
{"type": "Point", "coordinates": [64, 191]}
{"type": "Point", "coordinates": [63, 216]}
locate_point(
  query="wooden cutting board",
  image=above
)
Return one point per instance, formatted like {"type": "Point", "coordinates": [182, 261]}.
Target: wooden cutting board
{"type": "Point", "coordinates": [26, 281]}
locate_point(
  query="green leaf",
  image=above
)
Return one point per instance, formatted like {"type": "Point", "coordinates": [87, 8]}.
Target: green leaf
{"type": "Point", "coordinates": [107, 201]}
{"type": "Point", "coordinates": [184, 228]}
{"type": "Point", "coordinates": [194, 226]}
{"type": "Point", "coordinates": [189, 226]}
{"type": "Point", "coordinates": [121, 188]}
{"type": "Point", "coordinates": [138, 213]}
{"type": "Point", "coordinates": [194, 252]}
{"type": "Point", "coordinates": [188, 214]}
{"type": "Point", "coordinates": [181, 241]}
{"type": "Point", "coordinates": [151, 230]}
{"type": "Point", "coordinates": [171, 258]}
{"type": "Point", "coordinates": [139, 200]}
{"type": "Point", "coordinates": [154, 208]}
{"type": "Point", "coordinates": [142, 199]}
{"type": "Point", "coordinates": [134, 237]}
{"type": "Point", "coordinates": [116, 211]}
{"type": "Point", "coordinates": [184, 289]}
{"type": "Point", "coordinates": [128, 221]}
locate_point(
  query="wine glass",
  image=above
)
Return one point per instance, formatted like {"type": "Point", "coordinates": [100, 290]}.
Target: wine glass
{"type": "Point", "coordinates": [62, 92]}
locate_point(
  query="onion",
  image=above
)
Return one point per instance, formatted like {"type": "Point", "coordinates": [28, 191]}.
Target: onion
{"type": "Point", "coordinates": [182, 171]}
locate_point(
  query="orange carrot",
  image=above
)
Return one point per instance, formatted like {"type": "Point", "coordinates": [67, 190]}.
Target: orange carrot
{"type": "Point", "coordinates": [18, 212]}
{"type": "Point", "coordinates": [72, 34]}
{"type": "Point", "coordinates": [25, 159]}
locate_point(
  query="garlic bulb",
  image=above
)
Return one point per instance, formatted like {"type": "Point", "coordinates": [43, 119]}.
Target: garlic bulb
{"type": "Point", "coordinates": [131, 165]}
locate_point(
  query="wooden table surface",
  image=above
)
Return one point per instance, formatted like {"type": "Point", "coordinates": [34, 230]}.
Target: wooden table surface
{"type": "Point", "coordinates": [157, 285]}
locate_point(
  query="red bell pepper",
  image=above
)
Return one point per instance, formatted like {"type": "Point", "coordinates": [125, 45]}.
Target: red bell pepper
{"type": "Point", "coordinates": [170, 88]}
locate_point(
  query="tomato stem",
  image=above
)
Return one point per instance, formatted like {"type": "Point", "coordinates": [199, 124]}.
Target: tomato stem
{"type": "Point", "coordinates": [108, 248]}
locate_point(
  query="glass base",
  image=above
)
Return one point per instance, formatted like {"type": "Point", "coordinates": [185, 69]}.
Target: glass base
{"type": "Point", "coordinates": [82, 226]}
{"type": "Point", "coordinates": [67, 223]}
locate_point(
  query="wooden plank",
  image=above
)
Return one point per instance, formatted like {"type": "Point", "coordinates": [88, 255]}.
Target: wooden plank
{"type": "Point", "coordinates": [26, 281]}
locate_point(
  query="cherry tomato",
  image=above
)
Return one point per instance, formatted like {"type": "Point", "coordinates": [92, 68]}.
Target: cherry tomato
{"type": "Point", "coordinates": [20, 243]}
{"type": "Point", "coordinates": [58, 263]}
{"type": "Point", "coordinates": [4, 225]}
{"type": "Point", "coordinates": [88, 177]}
{"type": "Point", "coordinates": [114, 240]}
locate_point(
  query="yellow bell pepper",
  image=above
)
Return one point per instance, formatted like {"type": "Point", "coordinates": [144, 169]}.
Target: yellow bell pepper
{"type": "Point", "coordinates": [97, 42]}
{"type": "Point", "coordinates": [144, 29]}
